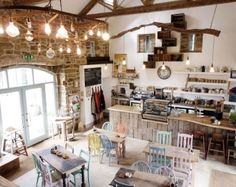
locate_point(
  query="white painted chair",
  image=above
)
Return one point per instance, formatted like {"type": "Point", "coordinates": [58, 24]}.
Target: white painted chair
{"type": "Point", "coordinates": [185, 141]}
{"type": "Point", "coordinates": [168, 172]}
{"type": "Point", "coordinates": [164, 137]}
{"type": "Point", "coordinates": [141, 166]}
{"type": "Point", "coordinates": [182, 167]}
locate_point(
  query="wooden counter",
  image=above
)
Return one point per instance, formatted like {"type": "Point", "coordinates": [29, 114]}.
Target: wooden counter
{"type": "Point", "coordinates": [147, 129]}
{"type": "Point", "coordinates": [204, 121]}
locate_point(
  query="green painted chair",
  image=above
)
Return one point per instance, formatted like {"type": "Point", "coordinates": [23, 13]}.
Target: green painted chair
{"type": "Point", "coordinates": [86, 156]}
{"type": "Point", "coordinates": [37, 167]}
{"type": "Point", "coordinates": [164, 137]}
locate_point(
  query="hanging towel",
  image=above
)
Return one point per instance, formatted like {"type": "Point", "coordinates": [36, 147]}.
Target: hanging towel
{"type": "Point", "coordinates": [102, 100]}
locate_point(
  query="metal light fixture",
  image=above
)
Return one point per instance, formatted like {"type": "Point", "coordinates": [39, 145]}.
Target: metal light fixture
{"type": "Point", "coordinates": [105, 36]}
{"type": "Point", "coordinates": [212, 69]}
{"type": "Point", "coordinates": [163, 67]}
{"type": "Point", "coordinates": [12, 30]}
{"type": "Point", "coordinates": [29, 36]}
{"type": "Point", "coordinates": [47, 28]}
{"type": "Point", "coordinates": [187, 61]}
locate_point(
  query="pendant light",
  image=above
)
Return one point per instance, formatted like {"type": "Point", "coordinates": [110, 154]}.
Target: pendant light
{"type": "Point", "coordinates": [124, 60]}
{"type": "Point", "coordinates": [12, 30]}
{"type": "Point", "coordinates": [68, 49]}
{"type": "Point", "coordinates": [29, 36]}
{"type": "Point", "coordinates": [99, 33]}
{"type": "Point", "coordinates": [39, 47]}
{"type": "Point", "coordinates": [105, 36]}
{"type": "Point", "coordinates": [85, 37]}
{"type": "Point", "coordinates": [47, 28]}
{"type": "Point", "coordinates": [91, 33]}
{"type": "Point", "coordinates": [187, 61]}
{"type": "Point", "coordinates": [72, 28]}
{"type": "Point", "coordinates": [60, 49]}
{"type": "Point", "coordinates": [212, 69]}
{"type": "Point", "coordinates": [50, 53]}
{"type": "Point", "coordinates": [163, 67]}
{"type": "Point", "coordinates": [105, 67]}
{"type": "Point", "coordinates": [62, 33]}
{"type": "Point", "coordinates": [78, 50]}
{"type": "Point", "coordinates": [144, 66]}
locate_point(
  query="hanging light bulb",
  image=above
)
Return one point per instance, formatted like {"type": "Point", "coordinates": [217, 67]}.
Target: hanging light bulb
{"type": "Point", "coordinates": [105, 67]}
{"type": "Point", "coordinates": [1, 29]}
{"type": "Point", "coordinates": [29, 24]}
{"type": "Point", "coordinates": [12, 30]}
{"type": "Point", "coordinates": [144, 66]}
{"type": "Point", "coordinates": [29, 36]}
{"type": "Point", "coordinates": [78, 50]}
{"type": "Point", "coordinates": [60, 49]}
{"type": "Point", "coordinates": [124, 61]}
{"type": "Point", "coordinates": [90, 32]}
{"type": "Point", "coordinates": [47, 28]}
{"type": "Point", "coordinates": [39, 47]}
{"type": "Point", "coordinates": [62, 32]}
{"type": "Point", "coordinates": [85, 37]}
{"type": "Point", "coordinates": [50, 53]}
{"type": "Point", "coordinates": [99, 33]}
{"type": "Point", "coordinates": [187, 61]}
{"type": "Point", "coordinates": [105, 36]}
{"type": "Point", "coordinates": [72, 28]}
{"type": "Point", "coordinates": [68, 49]}
{"type": "Point", "coordinates": [163, 67]}
{"type": "Point", "coordinates": [212, 69]}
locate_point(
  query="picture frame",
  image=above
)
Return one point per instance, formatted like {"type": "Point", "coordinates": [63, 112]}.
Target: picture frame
{"type": "Point", "coordinates": [146, 43]}
{"type": "Point", "coordinates": [233, 74]}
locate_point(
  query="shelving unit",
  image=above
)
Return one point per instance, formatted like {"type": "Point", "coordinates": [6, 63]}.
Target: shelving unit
{"type": "Point", "coordinates": [202, 73]}
{"type": "Point", "coordinates": [209, 84]}
{"type": "Point", "coordinates": [200, 93]}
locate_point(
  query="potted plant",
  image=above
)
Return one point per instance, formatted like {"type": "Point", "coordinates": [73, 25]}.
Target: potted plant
{"type": "Point", "coordinates": [232, 118]}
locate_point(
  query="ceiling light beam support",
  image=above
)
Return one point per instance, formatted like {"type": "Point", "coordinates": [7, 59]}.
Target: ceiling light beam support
{"type": "Point", "coordinates": [88, 7]}
{"type": "Point", "coordinates": [159, 7]}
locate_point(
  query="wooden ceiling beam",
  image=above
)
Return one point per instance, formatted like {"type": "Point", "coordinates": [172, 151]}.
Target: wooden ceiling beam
{"type": "Point", "coordinates": [29, 2]}
{"type": "Point", "coordinates": [88, 7]}
{"type": "Point", "coordinates": [159, 7]}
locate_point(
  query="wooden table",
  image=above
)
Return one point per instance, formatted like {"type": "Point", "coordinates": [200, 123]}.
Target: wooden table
{"type": "Point", "coordinates": [63, 166]}
{"type": "Point", "coordinates": [8, 162]}
{"type": "Point", "coordinates": [171, 151]}
{"type": "Point", "coordinates": [115, 137]}
{"type": "Point", "coordinates": [142, 179]}
{"type": "Point", "coordinates": [6, 183]}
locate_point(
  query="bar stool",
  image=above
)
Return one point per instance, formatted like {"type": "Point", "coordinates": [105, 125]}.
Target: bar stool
{"type": "Point", "coordinates": [230, 146]}
{"type": "Point", "coordinates": [217, 140]}
{"type": "Point", "coordinates": [199, 141]}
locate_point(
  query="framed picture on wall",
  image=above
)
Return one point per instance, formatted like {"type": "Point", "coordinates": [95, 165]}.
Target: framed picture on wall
{"type": "Point", "coordinates": [146, 43]}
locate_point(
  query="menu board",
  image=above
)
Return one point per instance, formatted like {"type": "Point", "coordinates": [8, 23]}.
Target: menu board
{"type": "Point", "coordinates": [92, 76]}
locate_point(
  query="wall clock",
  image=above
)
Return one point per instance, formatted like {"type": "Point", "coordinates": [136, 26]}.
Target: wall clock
{"type": "Point", "coordinates": [164, 73]}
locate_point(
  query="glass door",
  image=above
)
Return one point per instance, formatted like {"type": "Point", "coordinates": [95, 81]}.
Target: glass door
{"type": "Point", "coordinates": [35, 114]}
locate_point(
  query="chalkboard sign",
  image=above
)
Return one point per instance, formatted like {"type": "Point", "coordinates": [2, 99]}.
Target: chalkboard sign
{"type": "Point", "coordinates": [92, 76]}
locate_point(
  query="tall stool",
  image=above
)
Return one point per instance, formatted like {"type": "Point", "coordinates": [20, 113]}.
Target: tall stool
{"type": "Point", "coordinates": [199, 141]}
{"type": "Point", "coordinates": [13, 140]}
{"type": "Point", "coordinates": [216, 140]}
{"type": "Point", "coordinates": [230, 146]}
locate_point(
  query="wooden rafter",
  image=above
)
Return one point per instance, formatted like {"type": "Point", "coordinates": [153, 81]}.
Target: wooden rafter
{"type": "Point", "coordinates": [88, 7]}
{"type": "Point", "coordinates": [147, 2]}
{"type": "Point", "coordinates": [28, 2]}
{"type": "Point", "coordinates": [108, 6]}
{"type": "Point", "coordinates": [169, 27]}
{"type": "Point", "coordinates": [159, 7]}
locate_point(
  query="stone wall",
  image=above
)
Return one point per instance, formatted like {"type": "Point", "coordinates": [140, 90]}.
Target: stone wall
{"type": "Point", "coordinates": [65, 66]}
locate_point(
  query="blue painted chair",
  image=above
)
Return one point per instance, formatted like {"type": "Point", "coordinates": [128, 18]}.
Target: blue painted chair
{"type": "Point", "coordinates": [164, 137]}
{"type": "Point", "coordinates": [37, 167]}
{"type": "Point", "coordinates": [141, 166]}
{"type": "Point", "coordinates": [108, 148]}
{"type": "Point", "coordinates": [86, 156]}
{"type": "Point", "coordinates": [107, 126]}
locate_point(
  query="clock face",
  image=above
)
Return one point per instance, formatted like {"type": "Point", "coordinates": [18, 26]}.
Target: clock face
{"type": "Point", "coordinates": [164, 73]}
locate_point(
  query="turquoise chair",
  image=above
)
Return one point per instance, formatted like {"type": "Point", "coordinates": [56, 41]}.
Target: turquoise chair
{"type": "Point", "coordinates": [107, 126]}
{"type": "Point", "coordinates": [164, 137]}
{"type": "Point", "coordinates": [86, 156]}
{"type": "Point", "coordinates": [37, 167]}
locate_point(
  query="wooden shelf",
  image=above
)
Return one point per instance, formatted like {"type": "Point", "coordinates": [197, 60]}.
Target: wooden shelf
{"type": "Point", "coordinates": [199, 93]}
{"type": "Point", "coordinates": [229, 103]}
{"type": "Point", "coordinates": [209, 84]}
{"type": "Point", "coordinates": [202, 73]}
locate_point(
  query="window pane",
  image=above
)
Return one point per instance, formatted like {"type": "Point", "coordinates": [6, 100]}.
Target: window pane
{"type": "Point", "coordinates": [42, 76]}
{"type": "Point", "coordinates": [20, 77]}
{"type": "Point", "coordinates": [3, 80]}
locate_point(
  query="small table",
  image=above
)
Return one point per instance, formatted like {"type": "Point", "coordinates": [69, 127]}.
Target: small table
{"type": "Point", "coordinates": [142, 179]}
{"type": "Point", "coordinates": [171, 151]}
{"type": "Point", "coordinates": [63, 166]}
{"type": "Point", "coordinates": [115, 137]}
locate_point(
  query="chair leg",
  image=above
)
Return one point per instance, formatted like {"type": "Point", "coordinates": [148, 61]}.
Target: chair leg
{"type": "Point", "coordinates": [88, 178]}
{"type": "Point", "coordinates": [228, 154]}
{"type": "Point", "coordinates": [37, 179]}
{"type": "Point", "coordinates": [208, 148]}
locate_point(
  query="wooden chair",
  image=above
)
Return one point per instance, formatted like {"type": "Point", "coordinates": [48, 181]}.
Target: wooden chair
{"type": "Point", "coordinates": [199, 141]}
{"type": "Point", "coordinates": [168, 172]}
{"type": "Point", "coordinates": [157, 158]}
{"type": "Point", "coordinates": [122, 184]}
{"type": "Point", "coordinates": [86, 156]}
{"type": "Point", "coordinates": [141, 166]}
{"type": "Point", "coordinates": [182, 167]}
{"type": "Point", "coordinates": [108, 148]}
{"type": "Point", "coordinates": [230, 145]}
{"type": "Point", "coordinates": [52, 178]}
{"type": "Point", "coordinates": [164, 137]}
{"type": "Point", "coordinates": [69, 147]}
{"type": "Point", "coordinates": [185, 141]}
{"type": "Point", "coordinates": [94, 143]}
{"type": "Point", "coordinates": [107, 126]}
{"type": "Point", "coordinates": [216, 143]}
